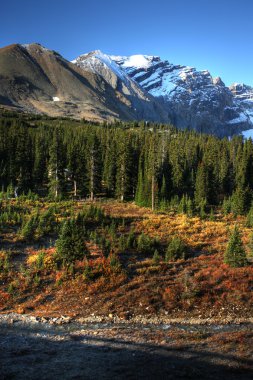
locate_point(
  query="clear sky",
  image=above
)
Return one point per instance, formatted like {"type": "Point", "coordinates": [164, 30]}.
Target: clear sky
{"type": "Point", "coordinates": [208, 34]}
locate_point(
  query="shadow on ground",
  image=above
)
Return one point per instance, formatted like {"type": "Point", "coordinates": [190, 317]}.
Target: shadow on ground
{"type": "Point", "coordinates": [27, 353]}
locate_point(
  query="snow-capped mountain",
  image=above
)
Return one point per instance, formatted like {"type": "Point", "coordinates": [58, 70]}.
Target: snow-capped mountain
{"type": "Point", "coordinates": [99, 87]}
{"type": "Point", "coordinates": [145, 106]}
{"type": "Point", "coordinates": [193, 99]}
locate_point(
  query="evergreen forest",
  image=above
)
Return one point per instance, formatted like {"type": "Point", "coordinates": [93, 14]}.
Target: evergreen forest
{"type": "Point", "coordinates": [157, 166]}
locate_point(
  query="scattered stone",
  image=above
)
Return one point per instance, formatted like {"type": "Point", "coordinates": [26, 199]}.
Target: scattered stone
{"type": "Point", "coordinates": [34, 319]}
{"type": "Point", "coordinates": [45, 319]}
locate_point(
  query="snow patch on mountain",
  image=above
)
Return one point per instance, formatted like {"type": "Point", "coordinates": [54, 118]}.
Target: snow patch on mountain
{"type": "Point", "coordinates": [242, 118]}
{"type": "Point", "coordinates": [137, 61]}
{"type": "Point", "coordinates": [244, 97]}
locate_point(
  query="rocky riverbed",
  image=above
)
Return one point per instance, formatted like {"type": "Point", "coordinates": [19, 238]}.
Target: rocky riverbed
{"type": "Point", "coordinates": [93, 348]}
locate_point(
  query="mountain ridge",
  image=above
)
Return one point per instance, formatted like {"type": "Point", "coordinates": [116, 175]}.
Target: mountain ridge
{"type": "Point", "coordinates": [101, 87]}
{"type": "Point", "coordinates": [40, 80]}
{"type": "Point", "coordinates": [193, 98]}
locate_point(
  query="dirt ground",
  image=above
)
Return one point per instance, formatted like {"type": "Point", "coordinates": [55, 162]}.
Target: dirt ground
{"type": "Point", "coordinates": [30, 349]}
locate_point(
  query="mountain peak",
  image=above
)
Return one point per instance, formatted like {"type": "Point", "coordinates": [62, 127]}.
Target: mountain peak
{"type": "Point", "coordinates": [34, 45]}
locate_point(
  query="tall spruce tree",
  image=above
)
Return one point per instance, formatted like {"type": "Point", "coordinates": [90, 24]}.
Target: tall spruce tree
{"type": "Point", "coordinates": [71, 244]}
{"type": "Point", "coordinates": [124, 159]}
{"type": "Point", "coordinates": [56, 164]}
{"type": "Point", "coordinates": [235, 255]}
{"type": "Point", "coordinates": [94, 165]}
{"type": "Point", "coordinates": [201, 185]}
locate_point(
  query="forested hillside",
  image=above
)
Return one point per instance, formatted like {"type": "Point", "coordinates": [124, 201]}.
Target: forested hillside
{"type": "Point", "coordinates": [83, 237]}
{"type": "Point", "coordinates": [155, 165]}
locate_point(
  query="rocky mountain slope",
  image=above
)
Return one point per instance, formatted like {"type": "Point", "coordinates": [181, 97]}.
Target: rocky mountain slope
{"type": "Point", "coordinates": [244, 97]}
{"type": "Point", "coordinates": [193, 99]}
{"type": "Point", "coordinates": [100, 87]}
{"type": "Point", "coordinates": [144, 105]}
{"type": "Point", "coordinates": [36, 79]}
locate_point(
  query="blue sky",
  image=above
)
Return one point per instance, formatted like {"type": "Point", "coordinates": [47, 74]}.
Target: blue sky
{"type": "Point", "coordinates": [207, 34]}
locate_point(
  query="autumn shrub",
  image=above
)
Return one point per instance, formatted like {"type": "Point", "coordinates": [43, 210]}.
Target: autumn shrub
{"type": "Point", "coordinates": [49, 263]}
{"type": "Point", "coordinates": [5, 262]}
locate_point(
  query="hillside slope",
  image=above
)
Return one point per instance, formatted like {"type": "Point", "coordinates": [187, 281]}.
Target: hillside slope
{"type": "Point", "coordinates": [36, 79]}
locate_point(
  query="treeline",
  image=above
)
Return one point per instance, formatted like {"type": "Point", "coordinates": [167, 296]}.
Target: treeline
{"type": "Point", "coordinates": [156, 165]}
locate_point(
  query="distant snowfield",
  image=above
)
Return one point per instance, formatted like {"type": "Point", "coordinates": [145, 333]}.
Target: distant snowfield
{"type": "Point", "coordinates": [247, 134]}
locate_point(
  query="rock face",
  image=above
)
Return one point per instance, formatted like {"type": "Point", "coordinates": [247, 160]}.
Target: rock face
{"type": "Point", "coordinates": [144, 105]}
{"type": "Point", "coordinates": [35, 79]}
{"type": "Point", "coordinates": [193, 99]}
{"type": "Point", "coordinates": [244, 97]}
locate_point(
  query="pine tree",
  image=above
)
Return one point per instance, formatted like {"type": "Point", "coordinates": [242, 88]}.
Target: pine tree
{"type": "Point", "coordinates": [163, 191]}
{"type": "Point", "coordinates": [40, 160]}
{"type": "Point", "coordinates": [24, 160]}
{"type": "Point", "coordinates": [29, 228]}
{"type": "Point", "coordinates": [249, 220]}
{"type": "Point", "coordinates": [235, 255]}
{"type": "Point", "coordinates": [201, 185]}
{"type": "Point", "coordinates": [56, 165]}
{"type": "Point", "coordinates": [123, 168]}
{"type": "Point", "coordinates": [240, 200]}
{"type": "Point", "coordinates": [94, 165]}
{"type": "Point", "coordinates": [71, 243]}
{"type": "Point", "coordinates": [175, 250]}
{"type": "Point", "coordinates": [156, 257]}
{"type": "Point", "coordinates": [76, 167]}
{"type": "Point", "coordinates": [110, 166]}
